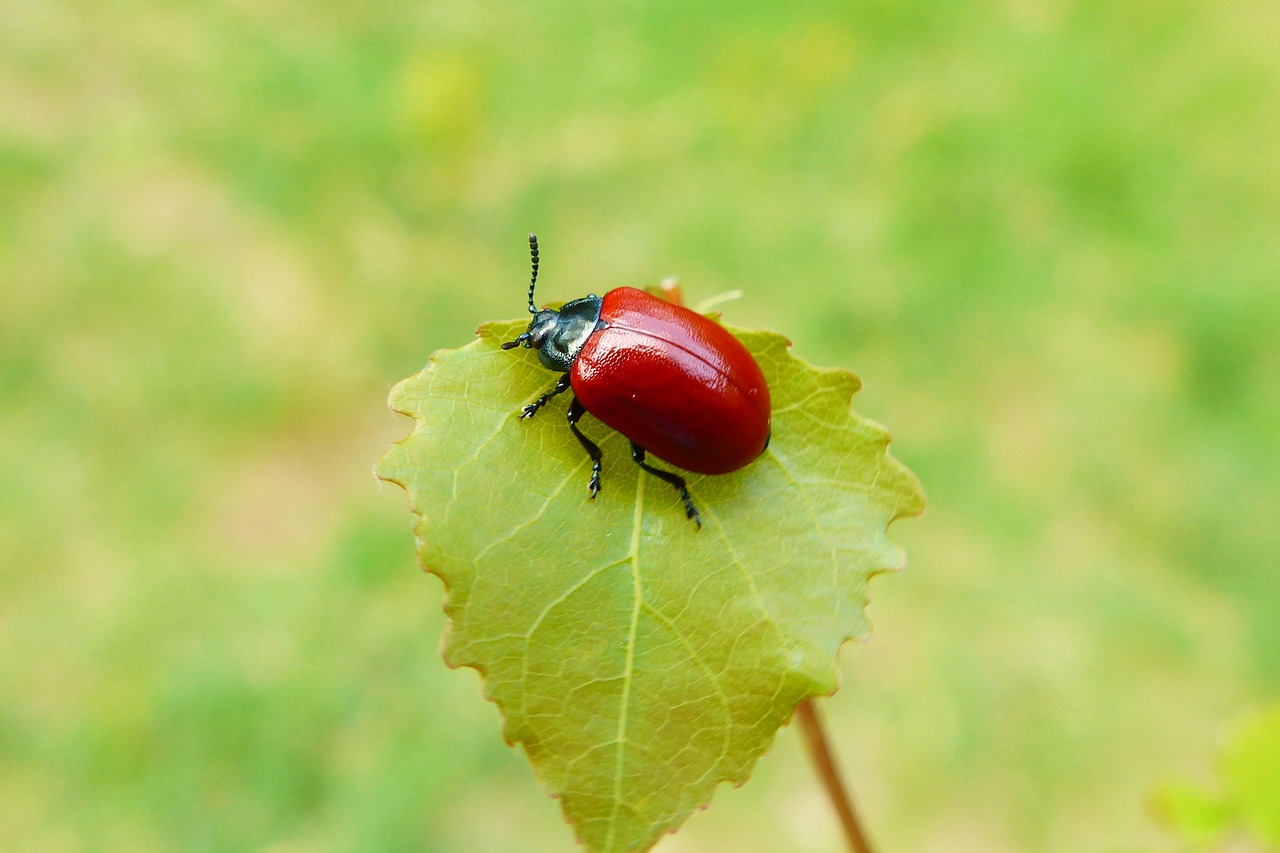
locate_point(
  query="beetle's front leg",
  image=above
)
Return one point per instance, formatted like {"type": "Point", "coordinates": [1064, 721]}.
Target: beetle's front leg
{"type": "Point", "coordinates": [532, 409]}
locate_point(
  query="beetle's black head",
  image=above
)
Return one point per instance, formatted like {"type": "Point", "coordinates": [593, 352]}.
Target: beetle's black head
{"type": "Point", "coordinates": [558, 336]}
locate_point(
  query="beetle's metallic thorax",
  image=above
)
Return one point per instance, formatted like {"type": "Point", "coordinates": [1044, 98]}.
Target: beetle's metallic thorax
{"type": "Point", "coordinates": [559, 336]}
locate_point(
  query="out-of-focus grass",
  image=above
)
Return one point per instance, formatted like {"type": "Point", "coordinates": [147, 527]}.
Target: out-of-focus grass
{"type": "Point", "coordinates": [1043, 232]}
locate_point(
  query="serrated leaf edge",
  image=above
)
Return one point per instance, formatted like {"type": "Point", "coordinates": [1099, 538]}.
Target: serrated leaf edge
{"type": "Point", "coordinates": [852, 384]}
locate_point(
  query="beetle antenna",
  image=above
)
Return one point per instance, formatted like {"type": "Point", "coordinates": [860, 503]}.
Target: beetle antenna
{"type": "Point", "coordinates": [533, 254]}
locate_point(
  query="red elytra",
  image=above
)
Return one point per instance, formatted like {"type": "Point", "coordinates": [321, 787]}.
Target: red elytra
{"type": "Point", "coordinates": [673, 382]}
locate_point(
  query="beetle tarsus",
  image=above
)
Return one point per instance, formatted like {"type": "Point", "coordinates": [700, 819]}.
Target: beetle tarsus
{"type": "Point", "coordinates": [690, 511]}
{"type": "Point", "coordinates": [532, 409]}
{"type": "Point", "coordinates": [576, 411]}
{"type": "Point", "coordinates": [594, 485]}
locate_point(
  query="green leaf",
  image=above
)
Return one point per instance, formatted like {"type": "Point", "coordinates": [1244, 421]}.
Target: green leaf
{"type": "Point", "coordinates": [640, 662]}
{"type": "Point", "coordinates": [1194, 814]}
{"type": "Point", "coordinates": [1251, 769]}
{"type": "Point", "coordinates": [1250, 797]}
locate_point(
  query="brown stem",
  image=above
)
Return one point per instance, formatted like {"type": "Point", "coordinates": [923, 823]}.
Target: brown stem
{"type": "Point", "coordinates": [823, 759]}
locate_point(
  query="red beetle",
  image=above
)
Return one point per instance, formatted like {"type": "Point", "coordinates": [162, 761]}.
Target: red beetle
{"type": "Point", "coordinates": [676, 384]}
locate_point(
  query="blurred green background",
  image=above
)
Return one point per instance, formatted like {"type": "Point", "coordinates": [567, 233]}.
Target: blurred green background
{"type": "Point", "coordinates": [1045, 233]}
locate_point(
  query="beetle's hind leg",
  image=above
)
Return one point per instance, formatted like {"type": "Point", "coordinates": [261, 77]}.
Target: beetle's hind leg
{"type": "Point", "coordinates": [532, 409]}
{"type": "Point", "coordinates": [637, 453]}
{"type": "Point", "coordinates": [576, 411]}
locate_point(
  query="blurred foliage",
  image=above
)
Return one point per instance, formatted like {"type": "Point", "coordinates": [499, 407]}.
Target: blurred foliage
{"type": "Point", "coordinates": [1043, 232]}
{"type": "Point", "coordinates": [1249, 802]}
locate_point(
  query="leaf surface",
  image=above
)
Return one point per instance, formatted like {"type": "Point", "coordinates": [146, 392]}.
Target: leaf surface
{"type": "Point", "coordinates": [1249, 796]}
{"type": "Point", "coordinates": [1251, 768]}
{"type": "Point", "coordinates": [640, 662]}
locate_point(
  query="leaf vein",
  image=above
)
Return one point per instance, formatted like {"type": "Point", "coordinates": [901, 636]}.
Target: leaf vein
{"type": "Point", "coordinates": [629, 671]}
{"type": "Point", "coordinates": [536, 515]}
{"type": "Point", "coordinates": [817, 526]}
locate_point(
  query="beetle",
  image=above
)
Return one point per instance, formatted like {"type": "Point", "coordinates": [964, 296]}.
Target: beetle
{"type": "Point", "coordinates": [674, 383]}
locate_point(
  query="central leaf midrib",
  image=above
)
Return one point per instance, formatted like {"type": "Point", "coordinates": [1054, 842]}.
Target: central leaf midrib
{"type": "Point", "coordinates": [628, 672]}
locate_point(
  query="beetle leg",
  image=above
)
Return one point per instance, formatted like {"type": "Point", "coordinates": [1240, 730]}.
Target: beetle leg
{"type": "Point", "coordinates": [576, 411]}
{"type": "Point", "coordinates": [637, 453]}
{"type": "Point", "coordinates": [532, 409]}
